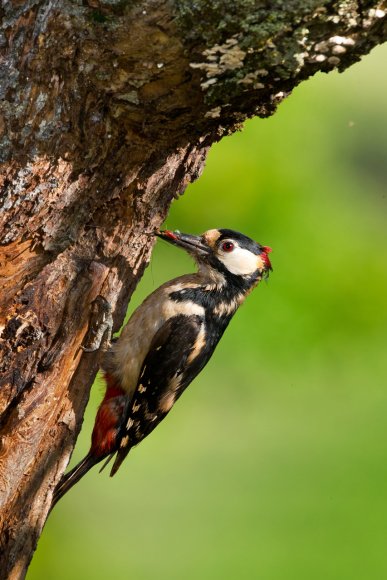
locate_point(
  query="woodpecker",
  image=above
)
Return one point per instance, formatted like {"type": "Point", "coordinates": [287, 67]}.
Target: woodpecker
{"type": "Point", "coordinates": [168, 340]}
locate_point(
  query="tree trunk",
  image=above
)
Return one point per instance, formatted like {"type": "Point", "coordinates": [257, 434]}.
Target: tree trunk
{"type": "Point", "coordinates": [107, 110]}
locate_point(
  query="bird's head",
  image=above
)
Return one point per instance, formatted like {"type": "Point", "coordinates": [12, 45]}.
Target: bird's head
{"type": "Point", "coordinates": [227, 252]}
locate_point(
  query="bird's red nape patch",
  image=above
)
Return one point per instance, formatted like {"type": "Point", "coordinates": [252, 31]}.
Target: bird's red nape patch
{"type": "Point", "coordinates": [109, 415]}
{"type": "Point", "coordinates": [265, 257]}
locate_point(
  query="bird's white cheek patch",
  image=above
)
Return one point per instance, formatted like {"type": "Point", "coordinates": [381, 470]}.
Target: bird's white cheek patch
{"type": "Point", "coordinates": [241, 262]}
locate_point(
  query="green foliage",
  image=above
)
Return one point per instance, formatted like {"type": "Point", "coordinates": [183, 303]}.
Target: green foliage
{"type": "Point", "coordinates": [273, 463]}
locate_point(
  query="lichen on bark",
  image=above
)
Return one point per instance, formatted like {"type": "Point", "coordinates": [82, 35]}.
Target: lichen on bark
{"type": "Point", "coordinates": [269, 47]}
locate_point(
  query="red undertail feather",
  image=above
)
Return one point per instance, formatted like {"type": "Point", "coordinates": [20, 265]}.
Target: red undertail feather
{"type": "Point", "coordinates": [107, 421]}
{"type": "Point", "coordinates": [103, 439]}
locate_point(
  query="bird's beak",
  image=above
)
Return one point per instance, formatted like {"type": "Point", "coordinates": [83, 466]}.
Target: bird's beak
{"type": "Point", "coordinates": [193, 244]}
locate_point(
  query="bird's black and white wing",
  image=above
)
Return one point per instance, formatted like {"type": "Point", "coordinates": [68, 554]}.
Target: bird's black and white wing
{"type": "Point", "coordinates": [177, 354]}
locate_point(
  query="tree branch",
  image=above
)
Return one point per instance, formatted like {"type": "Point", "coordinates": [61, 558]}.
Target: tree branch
{"type": "Point", "coordinates": [107, 112]}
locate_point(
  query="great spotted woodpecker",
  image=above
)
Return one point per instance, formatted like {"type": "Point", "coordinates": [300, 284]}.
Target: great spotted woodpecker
{"type": "Point", "coordinates": [167, 342]}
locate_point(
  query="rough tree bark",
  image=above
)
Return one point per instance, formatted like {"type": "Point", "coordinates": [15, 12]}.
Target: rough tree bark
{"type": "Point", "coordinates": [107, 110]}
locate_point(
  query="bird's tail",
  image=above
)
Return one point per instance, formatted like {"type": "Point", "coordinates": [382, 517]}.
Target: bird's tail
{"type": "Point", "coordinates": [73, 476]}
{"type": "Point", "coordinates": [121, 454]}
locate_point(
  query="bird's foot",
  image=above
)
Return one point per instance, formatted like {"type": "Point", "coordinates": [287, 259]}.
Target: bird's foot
{"type": "Point", "coordinates": [101, 326]}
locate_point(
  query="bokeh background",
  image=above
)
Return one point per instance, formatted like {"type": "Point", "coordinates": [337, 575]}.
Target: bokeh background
{"type": "Point", "coordinates": [273, 465]}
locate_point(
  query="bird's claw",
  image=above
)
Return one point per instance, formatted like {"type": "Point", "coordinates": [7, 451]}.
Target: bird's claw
{"type": "Point", "coordinates": [101, 325]}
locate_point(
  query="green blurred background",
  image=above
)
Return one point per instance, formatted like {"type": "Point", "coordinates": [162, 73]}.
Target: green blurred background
{"type": "Point", "coordinates": [273, 464]}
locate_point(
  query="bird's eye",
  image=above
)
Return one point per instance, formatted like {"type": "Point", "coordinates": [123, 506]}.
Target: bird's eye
{"type": "Point", "coordinates": [227, 246]}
